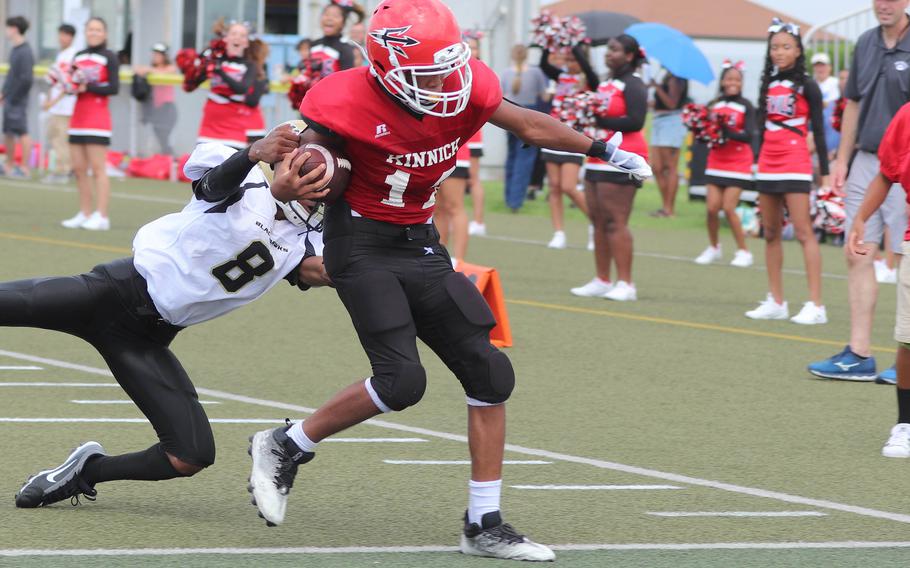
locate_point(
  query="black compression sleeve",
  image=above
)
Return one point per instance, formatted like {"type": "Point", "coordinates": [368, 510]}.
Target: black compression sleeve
{"type": "Point", "coordinates": [636, 108]}
{"type": "Point", "coordinates": [590, 75]}
{"type": "Point", "coordinates": [113, 77]}
{"type": "Point", "coordinates": [817, 117]}
{"type": "Point", "coordinates": [550, 71]}
{"type": "Point", "coordinates": [225, 179]}
{"type": "Point", "coordinates": [748, 131]}
{"type": "Point", "coordinates": [240, 87]}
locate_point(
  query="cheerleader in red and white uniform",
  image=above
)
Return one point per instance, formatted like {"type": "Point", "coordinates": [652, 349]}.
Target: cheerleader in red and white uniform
{"type": "Point", "coordinates": [608, 191]}
{"type": "Point", "coordinates": [563, 167]}
{"type": "Point", "coordinates": [475, 145]}
{"type": "Point", "coordinates": [789, 101]}
{"type": "Point", "coordinates": [333, 51]}
{"type": "Point", "coordinates": [450, 217]}
{"type": "Point", "coordinates": [96, 77]}
{"type": "Point", "coordinates": [729, 168]}
{"type": "Point", "coordinates": [226, 117]}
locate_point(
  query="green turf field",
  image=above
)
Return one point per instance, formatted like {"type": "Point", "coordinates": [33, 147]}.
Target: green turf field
{"type": "Point", "coordinates": [674, 404]}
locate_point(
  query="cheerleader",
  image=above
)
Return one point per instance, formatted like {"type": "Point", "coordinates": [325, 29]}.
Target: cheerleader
{"type": "Point", "coordinates": [609, 192]}
{"type": "Point", "coordinates": [258, 54]}
{"type": "Point", "coordinates": [336, 53]}
{"type": "Point", "coordinates": [475, 146]}
{"type": "Point", "coordinates": [95, 78]}
{"type": "Point", "coordinates": [789, 100]}
{"type": "Point", "coordinates": [729, 168]}
{"type": "Point", "coordinates": [563, 167]}
{"type": "Point", "coordinates": [226, 117]}
{"type": "Point", "coordinates": [450, 217]}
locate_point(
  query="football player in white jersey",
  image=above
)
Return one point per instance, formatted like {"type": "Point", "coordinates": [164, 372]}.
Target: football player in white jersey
{"type": "Point", "coordinates": [240, 235]}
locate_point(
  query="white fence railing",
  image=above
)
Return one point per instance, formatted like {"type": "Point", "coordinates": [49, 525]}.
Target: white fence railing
{"type": "Point", "coordinates": [837, 37]}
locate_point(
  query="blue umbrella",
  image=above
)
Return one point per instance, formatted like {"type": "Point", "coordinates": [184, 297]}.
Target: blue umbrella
{"type": "Point", "coordinates": [675, 50]}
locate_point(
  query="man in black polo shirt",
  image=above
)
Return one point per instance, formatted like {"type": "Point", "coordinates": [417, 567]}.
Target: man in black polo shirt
{"type": "Point", "coordinates": [879, 84]}
{"type": "Point", "coordinates": [14, 97]}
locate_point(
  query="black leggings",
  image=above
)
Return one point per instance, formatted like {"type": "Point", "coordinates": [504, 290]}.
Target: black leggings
{"type": "Point", "coordinates": [109, 308]}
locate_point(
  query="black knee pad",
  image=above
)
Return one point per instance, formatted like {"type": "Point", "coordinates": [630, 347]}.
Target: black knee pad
{"type": "Point", "coordinates": [489, 376]}
{"type": "Point", "coordinates": [403, 388]}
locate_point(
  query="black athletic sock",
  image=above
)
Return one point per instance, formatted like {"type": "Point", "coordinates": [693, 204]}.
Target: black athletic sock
{"type": "Point", "coordinates": [148, 465]}
{"type": "Point", "coordinates": [903, 406]}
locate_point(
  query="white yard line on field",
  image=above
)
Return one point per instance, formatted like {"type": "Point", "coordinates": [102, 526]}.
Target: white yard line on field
{"type": "Point", "coordinates": [594, 487]}
{"type": "Point", "coordinates": [25, 552]}
{"type": "Point", "coordinates": [128, 402]}
{"type": "Point", "coordinates": [20, 368]}
{"type": "Point", "coordinates": [737, 513]}
{"type": "Point", "coordinates": [539, 453]}
{"type": "Point", "coordinates": [462, 462]}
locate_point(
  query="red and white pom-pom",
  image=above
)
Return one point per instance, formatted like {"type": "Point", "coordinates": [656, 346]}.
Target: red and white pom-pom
{"type": "Point", "coordinates": [546, 29]}
{"type": "Point", "coordinates": [185, 58]}
{"type": "Point", "coordinates": [573, 33]}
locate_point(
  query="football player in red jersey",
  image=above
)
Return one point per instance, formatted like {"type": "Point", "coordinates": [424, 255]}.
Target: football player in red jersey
{"type": "Point", "coordinates": [401, 122]}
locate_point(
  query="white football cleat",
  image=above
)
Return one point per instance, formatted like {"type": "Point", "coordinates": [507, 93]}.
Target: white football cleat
{"type": "Point", "coordinates": [76, 221]}
{"type": "Point", "coordinates": [622, 292]}
{"type": "Point", "coordinates": [742, 259]}
{"type": "Point", "coordinates": [811, 314]}
{"type": "Point", "coordinates": [627, 162]}
{"type": "Point", "coordinates": [709, 255]}
{"type": "Point", "coordinates": [496, 539]}
{"type": "Point", "coordinates": [275, 460]}
{"type": "Point", "coordinates": [898, 444]}
{"type": "Point", "coordinates": [96, 223]}
{"type": "Point", "coordinates": [558, 241]}
{"type": "Point", "coordinates": [596, 288]}
{"type": "Point", "coordinates": [769, 310]}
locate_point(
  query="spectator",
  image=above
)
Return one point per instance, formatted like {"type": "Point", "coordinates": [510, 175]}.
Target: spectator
{"type": "Point", "coordinates": [828, 83]}
{"type": "Point", "coordinates": [876, 88]}
{"type": "Point", "coordinates": [258, 53]}
{"type": "Point", "coordinates": [667, 137]}
{"type": "Point", "coordinates": [59, 106]}
{"type": "Point", "coordinates": [523, 85]}
{"type": "Point", "coordinates": [14, 98]}
{"type": "Point", "coordinates": [357, 35]}
{"type": "Point", "coordinates": [159, 110]}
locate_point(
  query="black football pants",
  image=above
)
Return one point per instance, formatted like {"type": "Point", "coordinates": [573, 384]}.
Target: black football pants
{"type": "Point", "coordinates": [110, 308]}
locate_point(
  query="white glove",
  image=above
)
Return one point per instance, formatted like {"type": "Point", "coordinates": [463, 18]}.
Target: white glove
{"type": "Point", "coordinates": [628, 162]}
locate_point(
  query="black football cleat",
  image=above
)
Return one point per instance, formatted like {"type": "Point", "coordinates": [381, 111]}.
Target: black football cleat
{"type": "Point", "coordinates": [496, 539]}
{"type": "Point", "coordinates": [62, 482]}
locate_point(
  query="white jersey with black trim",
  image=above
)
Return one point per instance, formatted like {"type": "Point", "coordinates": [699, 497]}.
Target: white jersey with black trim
{"type": "Point", "coordinates": [212, 258]}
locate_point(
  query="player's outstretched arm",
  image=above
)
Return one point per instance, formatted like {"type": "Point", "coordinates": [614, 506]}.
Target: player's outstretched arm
{"type": "Point", "coordinates": [539, 129]}
{"type": "Point", "coordinates": [225, 179]}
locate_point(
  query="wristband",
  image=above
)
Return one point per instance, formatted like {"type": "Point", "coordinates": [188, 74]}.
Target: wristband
{"type": "Point", "coordinates": [598, 148]}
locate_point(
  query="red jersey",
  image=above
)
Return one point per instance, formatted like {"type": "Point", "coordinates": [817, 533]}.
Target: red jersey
{"type": "Point", "coordinates": [894, 152]}
{"type": "Point", "coordinates": [784, 152]}
{"type": "Point", "coordinates": [734, 158]}
{"type": "Point", "coordinates": [398, 158]}
{"type": "Point", "coordinates": [613, 95]}
{"type": "Point", "coordinates": [97, 68]}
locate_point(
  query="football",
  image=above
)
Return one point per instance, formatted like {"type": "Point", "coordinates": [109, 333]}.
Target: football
{"type": "Point", "coordinates": [338, 168]}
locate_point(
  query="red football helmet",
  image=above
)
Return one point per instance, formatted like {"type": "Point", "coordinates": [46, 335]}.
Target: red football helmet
{"type": "Point", "coordinates": [410, 39]}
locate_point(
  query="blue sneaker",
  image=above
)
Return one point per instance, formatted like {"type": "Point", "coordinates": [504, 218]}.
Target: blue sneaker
{"type": "Point", "coordinates": [845, 366]}
{"type": "Point", "coordinates": [888, 376]}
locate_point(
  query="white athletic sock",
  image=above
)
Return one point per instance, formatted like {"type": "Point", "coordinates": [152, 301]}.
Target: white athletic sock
{"type": "Point", "coordinates": [483, 498]}
{"type": "Point", "coordinates": [296, 433]}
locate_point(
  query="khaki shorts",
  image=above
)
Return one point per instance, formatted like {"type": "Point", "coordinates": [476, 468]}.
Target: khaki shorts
{"type": "Point", "coordinates": [902, 325]}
